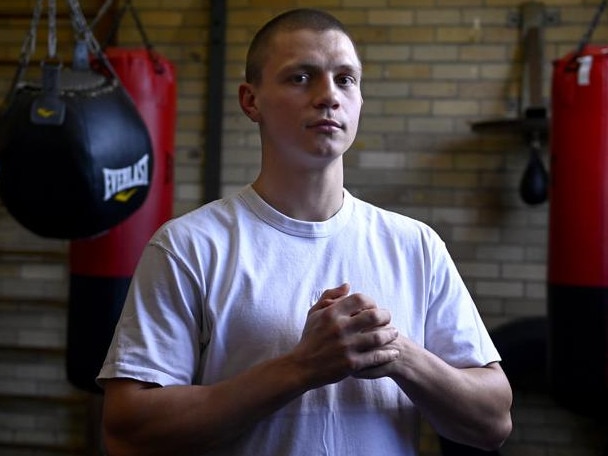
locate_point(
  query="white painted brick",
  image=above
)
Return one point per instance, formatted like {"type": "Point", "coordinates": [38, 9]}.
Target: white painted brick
{"type": "Point", "coordinates": [230, 190]}
{"type": "Point", "coordinates": [456, 72]}
{"type": "Point", "coordinates": [385, 125]}
{"type": "Point", "coordinates": [383, 89]}
{"type": "Point", "coordinates": [488, 306]}
{"type": "Point", "coordinates": [475, 234]}
{"type": "Point", "coordinates": [538, 291]}
{"type": "Point", "coordinates": [430, 125]}
{"type": "Point", "coordinates": [191, 192]}
{"type": "Point", "coordinates": [428, 161]}
{"type": "Point", "coordinates": [43, 271]}
{"type": "Point", "coordinates": [41, 338]}
{"type": "Point", "coordinates": [454, 216]}
{"type": "Point", "coordinates": [390, 17]}
{"type": "Point", "coordinates": [478, 270]}
{"type": "Point", "coordinates": [377, 159]}
{"type": "Point", "coordinates": [524, 307]}
{"type": "Point", "coordinates": [386, 53]}
{"type": "Point", "coordinates": [438, 16]}
{"type": "Point", "coordinates": [524, 271]}
{"type": "Point", "coordinates": [501, 252]}
{"type": "Point", "coordinates": [434, 53]}
{"type": "Point", "coordinates": [466, 108]}
{"type": "Point", "coordinates": [434, 89]}
{"type": "Point", "coordinates": [500, 289]}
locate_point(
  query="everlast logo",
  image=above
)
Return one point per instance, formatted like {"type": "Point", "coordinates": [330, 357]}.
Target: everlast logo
{"type": "Point", "coordinates": [119, 180]}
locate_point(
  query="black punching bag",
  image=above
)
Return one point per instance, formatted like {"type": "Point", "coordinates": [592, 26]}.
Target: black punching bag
{"type": "Point", "coordinates": [75, 155]}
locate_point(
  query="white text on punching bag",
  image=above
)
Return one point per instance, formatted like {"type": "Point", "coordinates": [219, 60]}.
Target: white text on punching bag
{"type": "Point", "coordinates": [118, 180]}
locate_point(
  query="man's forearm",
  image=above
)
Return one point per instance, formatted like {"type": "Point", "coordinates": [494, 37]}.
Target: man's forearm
{"type": "Point", "coordinates": [192, 419]}
{"type": "Point", "coordinates": [470, 406]}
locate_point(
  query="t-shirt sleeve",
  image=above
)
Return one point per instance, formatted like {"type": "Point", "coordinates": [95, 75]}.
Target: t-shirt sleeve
{"type": "Point", "coordinates": [454, 329]}
{"type": "Point", "coordinates": [157, 338]}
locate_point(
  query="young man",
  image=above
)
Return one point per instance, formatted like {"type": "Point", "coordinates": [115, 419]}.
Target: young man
{"type": "Point", "coordinates": [292, 318]}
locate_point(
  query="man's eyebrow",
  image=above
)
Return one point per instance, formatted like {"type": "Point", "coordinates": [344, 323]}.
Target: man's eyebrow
{"type": "Point", "coordinates": [351, 68]}
{"type": "Point", "coordinates": [312, 67]}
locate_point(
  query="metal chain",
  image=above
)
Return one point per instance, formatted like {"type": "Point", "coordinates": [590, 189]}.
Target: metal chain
{"type": "Point", "coordinates": [27, 49]}
{"type": "Point", "coordinates": [102, 12]}
{"type": "Point", "coordinates": [29, 43]}
{"type": "Point", "coordinates": [52, 44]}
{"type": "Point", "coordinates": [80, 23]}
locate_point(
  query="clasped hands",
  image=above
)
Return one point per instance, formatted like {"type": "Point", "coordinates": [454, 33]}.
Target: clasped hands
{"type": "Point", "coordinates": [346, 335]}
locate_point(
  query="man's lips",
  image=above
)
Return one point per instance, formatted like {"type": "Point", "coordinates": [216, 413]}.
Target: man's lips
{"type": "Point", "coordinates": [328, 125]}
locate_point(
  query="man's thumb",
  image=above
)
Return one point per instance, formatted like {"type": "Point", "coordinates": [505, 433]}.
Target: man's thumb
{"type": "Point", "coordinates": [330, 295]}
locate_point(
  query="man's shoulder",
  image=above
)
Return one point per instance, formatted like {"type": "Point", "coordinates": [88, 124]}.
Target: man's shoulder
{"type": "Point", "coordinates": [212, 220]}
{"type": "Point", "coordinates": [393, 219]}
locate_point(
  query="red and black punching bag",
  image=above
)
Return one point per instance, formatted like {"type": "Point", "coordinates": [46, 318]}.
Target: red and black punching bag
{"type": "Point", "coordinates": [101, 267]}
{"type": "Point", "coordinates": [578, 232]}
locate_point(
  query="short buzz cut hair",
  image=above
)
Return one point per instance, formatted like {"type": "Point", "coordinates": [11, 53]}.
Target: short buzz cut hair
{"type": "Point", "coordinates": [288, 21]}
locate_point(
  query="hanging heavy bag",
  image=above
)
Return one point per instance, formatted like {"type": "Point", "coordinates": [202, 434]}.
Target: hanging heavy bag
{"type": "Point", "coordinates": [75, 155]}
{"type": "Point", "coordinates": [101, 267]}
{"type": "Point", "coordinates": [577, 270]}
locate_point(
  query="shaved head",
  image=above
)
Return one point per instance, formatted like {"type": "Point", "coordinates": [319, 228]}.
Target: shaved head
{"type": "Point", "coordinates": [289, 21]}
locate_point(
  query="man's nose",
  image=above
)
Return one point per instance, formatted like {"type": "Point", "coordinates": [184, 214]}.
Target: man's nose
{"type": "Point", "coordinates": [326, 93]}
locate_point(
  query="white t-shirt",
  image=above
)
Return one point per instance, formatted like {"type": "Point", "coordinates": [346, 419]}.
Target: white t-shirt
{"type": "Point", "coordinates": [229, 285]}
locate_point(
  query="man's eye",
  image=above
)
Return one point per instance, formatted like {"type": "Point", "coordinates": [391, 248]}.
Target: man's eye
{"type": "Point", "coordinates": [346, 80]}
{"type": "Point", "coordinates": [300, 78]}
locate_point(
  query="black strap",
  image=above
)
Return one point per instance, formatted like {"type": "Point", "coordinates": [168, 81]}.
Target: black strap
{"type": "Point", "coordinates": [128, 6]}
{"type": "Point", "coordinates": [573, 64]}
{"type": "Point", "coordinates": [594, 22]}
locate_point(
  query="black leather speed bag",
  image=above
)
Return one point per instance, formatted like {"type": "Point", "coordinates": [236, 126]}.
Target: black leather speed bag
{"type": "Point", "coordinates": [75, 155]}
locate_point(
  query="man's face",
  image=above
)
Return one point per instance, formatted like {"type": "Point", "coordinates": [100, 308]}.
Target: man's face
{"type": "Point", "coordinates": [309, 99]}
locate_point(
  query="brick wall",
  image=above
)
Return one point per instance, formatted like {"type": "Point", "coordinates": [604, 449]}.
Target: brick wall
{"type": "Point", "coordinates": [431, 67]}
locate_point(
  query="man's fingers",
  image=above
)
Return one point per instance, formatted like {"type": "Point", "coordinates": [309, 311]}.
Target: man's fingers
{"type": "Point", "coordinates": [372, 363]}
{"type": "Point", "coordinates": [333, 293]}
{"type": "Point", "coordinates": [329, 295]}
{"type": "Point", "coordinates": [375, 339]}
{"type": "Point", "coordinates": [368, 319]}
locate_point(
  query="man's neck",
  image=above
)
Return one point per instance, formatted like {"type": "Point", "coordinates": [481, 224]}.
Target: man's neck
{"type": "Point", "coordinates": [302, 197]}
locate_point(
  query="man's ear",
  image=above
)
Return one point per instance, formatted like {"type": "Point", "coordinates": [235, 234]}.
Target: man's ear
{"type": "Point", "coordinates": [247, 102]}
